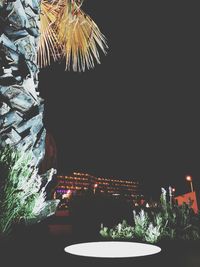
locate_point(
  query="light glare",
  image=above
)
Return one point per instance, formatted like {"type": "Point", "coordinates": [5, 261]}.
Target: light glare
{"type": "Point", "coordinates": [189, 178]}
{"type": "Point", "coordinates": [112, 249]}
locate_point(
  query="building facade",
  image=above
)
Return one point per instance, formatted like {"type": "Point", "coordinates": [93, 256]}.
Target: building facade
{"type": "Point", "coordinates": [79, 183]}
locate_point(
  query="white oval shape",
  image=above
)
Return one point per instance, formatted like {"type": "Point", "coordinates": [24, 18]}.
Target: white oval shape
{"type": "Point", "coordinates": [112, 249]}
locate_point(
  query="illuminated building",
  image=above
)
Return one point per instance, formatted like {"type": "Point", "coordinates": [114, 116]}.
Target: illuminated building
{"type": "Point", "coordinates": [78, 183]}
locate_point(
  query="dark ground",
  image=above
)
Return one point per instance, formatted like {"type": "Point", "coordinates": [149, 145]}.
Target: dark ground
{"type": "Point", "coordinates": [36, 247]}
{"type": "Point", "coordinates": [43, 244]}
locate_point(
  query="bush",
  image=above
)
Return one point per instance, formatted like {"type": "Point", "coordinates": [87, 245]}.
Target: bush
{"type": "Point", "coordinates": [22, 189]}
{"type": "Point", "coordinates": [169, 222]}
{"type": "Point", "coordinates": [121, 231]}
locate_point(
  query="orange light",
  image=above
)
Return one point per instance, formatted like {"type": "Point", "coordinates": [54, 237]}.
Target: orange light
{"type": "Point", "coordinates": [189, 178]}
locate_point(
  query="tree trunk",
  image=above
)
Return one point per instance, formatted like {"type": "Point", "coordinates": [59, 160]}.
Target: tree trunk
{"type": "Point", "coordinates": [21, 108]}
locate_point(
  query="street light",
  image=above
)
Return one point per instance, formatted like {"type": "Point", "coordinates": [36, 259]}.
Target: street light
{"type": "Point", "coordinates": [95, 187]}
{"type": "Point", "coordinates": [171, 194]}
{"type": "Point", "coordinates": [189, 179]}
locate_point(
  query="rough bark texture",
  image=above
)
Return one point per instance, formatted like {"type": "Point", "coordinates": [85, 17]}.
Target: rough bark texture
{"type": "Point", "coordinates": [21, 108]}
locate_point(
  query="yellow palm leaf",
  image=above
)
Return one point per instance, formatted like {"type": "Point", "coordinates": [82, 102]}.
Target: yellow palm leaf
{"type": "Point", "coordinates": [66, 31]}
{"type": "Point", "coordinates": [80, 38]}
{"type": "Point", "coordinates": [49, 47]}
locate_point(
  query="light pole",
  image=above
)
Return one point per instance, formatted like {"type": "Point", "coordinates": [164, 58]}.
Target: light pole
{"type": "Point", "coordinates": [189, 179]}
{"type": "Point", "coordinates": [95, 187]}
{"type": "Point", "coordinates": [171, 195]}
{"type": "Point", "coordinates": [173, 190]}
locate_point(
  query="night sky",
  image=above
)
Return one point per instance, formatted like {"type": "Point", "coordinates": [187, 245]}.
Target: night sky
{"type": "Point", "coordinates": [137, 114]}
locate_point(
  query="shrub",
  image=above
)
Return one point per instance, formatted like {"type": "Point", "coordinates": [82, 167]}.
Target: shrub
{"type": "Point", "coordinates": [152, 233]}
{"type": "Point", "coordinates": [22, 189]}
{"type": "Point", "coordinates": [121, 231]}
{"type": "Point", "coordinates": [170, 221]}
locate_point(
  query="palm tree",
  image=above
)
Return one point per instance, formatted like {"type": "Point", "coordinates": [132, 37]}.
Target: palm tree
{"type": "Point", "coordinates": [33, 33]}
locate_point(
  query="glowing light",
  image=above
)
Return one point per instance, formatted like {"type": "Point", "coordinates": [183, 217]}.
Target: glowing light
{"type": "Point", "coordinates": [112, 249]}
{"type": "Point", "coordinates": [189, 178]}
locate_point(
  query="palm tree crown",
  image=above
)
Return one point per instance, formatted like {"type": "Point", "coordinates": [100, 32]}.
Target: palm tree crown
{"type": "Point", "coordinates": [67, 32]}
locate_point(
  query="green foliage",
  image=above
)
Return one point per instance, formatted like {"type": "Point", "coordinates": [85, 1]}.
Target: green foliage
{"type": "Point", "coordinates": [21, 195]}
{"type": "Point", "coordinates": [163, 199]}
{"type": "Point", "coordinates": [141, 224]}
{"type": "Point", "coordinates": [146, 230]}
{"type": "Point", "coordinates": [177, 222]}
{"type": "Point", "coordinates": [152, 233]}
{"type": "Point", "coordinates": [104, 232]}
{"type": "Point", "coordinates": [169, 222]}
{"type": "Point", "coordinates": [121, 231]}
{"type": "Point", "coordinates": [143, 230]}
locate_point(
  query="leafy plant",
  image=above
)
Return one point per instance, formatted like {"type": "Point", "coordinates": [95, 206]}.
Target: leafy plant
{"type": "Point", "coordinates": [121, 231]}
{"type": "Point", "coordinates": [170, 221]}
{"type": "Point", "coordinates": [145, 229]}
{"type": "Point", "coordinates": [141, 224]}
{"type": "Point", "coordinates": [152, 233]}
{"type": "Point", "coordinates": [22, 192]}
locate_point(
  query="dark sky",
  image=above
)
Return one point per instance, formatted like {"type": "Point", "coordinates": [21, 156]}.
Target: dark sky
{"type": "Point", "coordinates": [137, 114]}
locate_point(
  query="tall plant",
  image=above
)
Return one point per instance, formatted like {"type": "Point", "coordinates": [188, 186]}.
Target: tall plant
{"type": "Point", "coordinates": [23, 194]}
{"type": "Point", "coordinates": [168, 222]}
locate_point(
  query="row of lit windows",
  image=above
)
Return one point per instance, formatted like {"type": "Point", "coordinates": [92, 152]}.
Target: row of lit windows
{"type": "Point", "coordinates": [88, 175]}
{"type": "Point", "coordinates": [110, 189]}
{"type": "Point", "coordinates": [72, 183]}
{"type": "Point", "coordinates": [104, 183]}
{"type": "Point", "coordinates": [60, 190]}
{"type": "Point", "coordinates": [118, 188]}
{"type": "Point", "coordinates": [99, 184]}
{"type": "Point", "coordinates": [124, 185]}
{"type": "Point", "coordinates": [70, 187]}
{"type": "Point", "coordinates": [82, 174]}
{"type": "Point", "coordinates": [72, 178]}
{"type": "Point", "coordinates": [66, 185]}
{"type": "Point", "coordinates": [97, 179]}
{"type": "Point", "coordinates": [117, 181]}
{"type": "Point", "coordinates": [80, 181]}
{"type": "Point", "coordinates": [129, 196]}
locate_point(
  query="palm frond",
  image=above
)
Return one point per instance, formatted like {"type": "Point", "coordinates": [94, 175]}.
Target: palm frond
{"type": "Point", "coordinates": [80, 38]}
{"type": "Point", "coordinates": [67, 32]}
{"type": "Point", "coordinates": [49, 46]}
